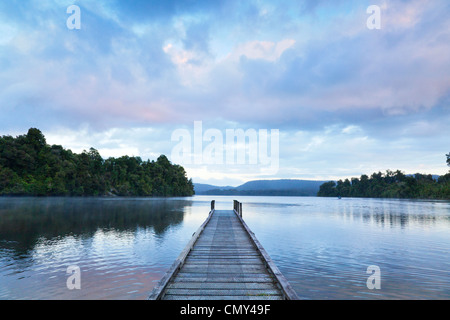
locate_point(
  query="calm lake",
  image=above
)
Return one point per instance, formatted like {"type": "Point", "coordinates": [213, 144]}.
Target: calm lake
{"type": "Point", "coordinates": [323, 246]}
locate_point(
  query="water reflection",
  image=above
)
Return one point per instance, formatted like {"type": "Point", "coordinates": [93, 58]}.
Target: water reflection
{"type": "Point", "coordinates": [27, 222]}
{"type": "Point", "coordinates": [393, 213]}
{"type": "Point", "coordinates": [323, 246]}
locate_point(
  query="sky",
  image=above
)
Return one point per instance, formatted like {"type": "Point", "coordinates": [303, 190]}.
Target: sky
{"type": "Point", "coordinates": [326, 96]}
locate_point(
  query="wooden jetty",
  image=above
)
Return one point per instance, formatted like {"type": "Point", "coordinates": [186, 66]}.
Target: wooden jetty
{"type": "Point", "coordinates": [223, 261]}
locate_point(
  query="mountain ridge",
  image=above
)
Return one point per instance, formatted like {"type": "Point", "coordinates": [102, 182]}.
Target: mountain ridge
{"type": "Point", "coordinates": [278, 187]}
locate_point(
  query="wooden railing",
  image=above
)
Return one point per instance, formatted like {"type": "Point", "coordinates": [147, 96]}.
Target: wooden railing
{"type": "Point", "coordinates": [288, 292]}
{"type": "Point", "coordinates": [237, 206]}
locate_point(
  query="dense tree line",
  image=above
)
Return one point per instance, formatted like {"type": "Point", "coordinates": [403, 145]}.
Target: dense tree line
{"type": "Point", "coordinates": [390, 185]}
{"type": "Point", "coordinates": [29, 166]}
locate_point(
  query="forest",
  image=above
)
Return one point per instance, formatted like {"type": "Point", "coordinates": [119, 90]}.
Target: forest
{"type": "Point", "coordinates": [31, 167]}
{"type": "Point", "coordinates": [390, 185]}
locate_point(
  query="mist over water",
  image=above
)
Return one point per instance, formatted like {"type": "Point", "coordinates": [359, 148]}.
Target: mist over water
{"type": "Point", "coordinates": [323, 246]}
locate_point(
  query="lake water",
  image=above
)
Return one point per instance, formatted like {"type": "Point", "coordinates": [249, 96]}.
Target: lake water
{"type": "Point", "coordinates": [323, 246]}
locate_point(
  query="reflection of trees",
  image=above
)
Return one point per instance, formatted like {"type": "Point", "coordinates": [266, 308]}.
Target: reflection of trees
{"type": "Point", "coordinates": [24, 221]}
{"type": "Point", "coordinates": [399, 214]}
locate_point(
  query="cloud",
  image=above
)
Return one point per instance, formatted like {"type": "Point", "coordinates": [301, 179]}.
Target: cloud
{"type": "Point", "coordinates": [297, 66]}
{"type": "Point", "coordinates": [175, 56]}
{"type": "Point", "coordinates": [146, 142]}
{"type": "Point", "coordinates": [265, 50]}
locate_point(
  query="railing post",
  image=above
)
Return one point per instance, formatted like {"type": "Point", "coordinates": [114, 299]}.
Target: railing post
{"type": "Point", "coordinates": [213, 204]}
{"type": "Point", "coordinates": [237, 206]}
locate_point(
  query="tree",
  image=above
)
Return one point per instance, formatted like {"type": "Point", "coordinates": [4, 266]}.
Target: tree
{"type": "Point", "coordinates": [28, 166]}
{"type": "Point", "coordinates": [328, 189]}
{"type": "Point", "coordinates": [36, 139]}
{"type": "Point", "coordinates": [448, 159]}
{"type": "Point", "coordinates": [390, 185]}
{"type": "Point", "coordinates": [399, 176]}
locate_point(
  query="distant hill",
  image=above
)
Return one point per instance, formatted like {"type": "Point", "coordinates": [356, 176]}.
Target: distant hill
{"type": "Point", "coordinates": [200, 188]}
{"type": "Point", "coordinates": [283, 187]}
{"type": "Point", "coordinates": [284, 184]}
{"type": "Point", "coordinates": [434, 176]}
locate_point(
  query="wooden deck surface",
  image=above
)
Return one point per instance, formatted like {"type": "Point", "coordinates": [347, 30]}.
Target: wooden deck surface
{"type": "Point", "coordinates": [223, 261]}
